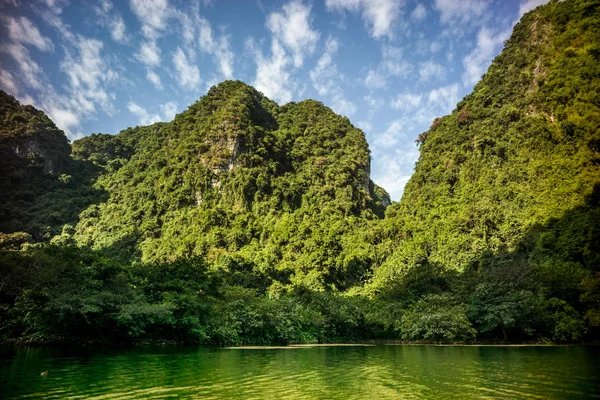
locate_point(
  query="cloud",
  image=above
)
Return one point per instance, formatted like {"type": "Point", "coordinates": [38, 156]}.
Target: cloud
{"type": "Point", "coordinates": [64, 119]}
{"type": "Point", "coordinates": [224, 57]}
{"type": "Point", "coordinates": [379, 15]}
{"type": "Point", "coordinates": [325, 74]}
{"type": "Point", "coordinates": [527, 6]}
{"type": "Point", "coordinates": [341, 105]}
{"type": "Point", "coordinates": [55, 6]}
{"type": "Point", "coordinates": [407, 102]}
{"type": "Point", "coordinates": [327, 80]}
{"type": "Point", "coordinates": [149, 54]}
{"type": "Point", "coordinates": [391, 136]}
{"type": "Point", "coordinates": [88, 74]}
{"type": "Point", "coordinates": [375, 79]}
{"type": "Point", "coordinates": [112, 20]}
{"type": "Point", "coordinates": [8, 82]}
{"type": "Point", "coordinates": [22, 30]}
{"type": "Point", "coordinates": [481, 57]}
{"type": "Point", "coordinates": [453, 12]}
{"type": "Point", "coordinates": [444, 99]}
{"type": "Point", "coordinates": [154, 78]}
{"type": "Point", "coordinates": [422, 108]}
{"type": "Point", "coordinates": [395, 171]}
{"type": "Point", "coordinates": [365, 126]}
{"type": "Point", "coordinates": [117, 29]}
{"type": "Point", "coordinates": [419, 12]}
{"type": "Point", "coordinates": [205, 36]}
{"type": "Point", "coordinates": [429, 71]}
{"type": "Point", "coordinates": [219, 48]}
{"type": "Point", "coordinates": [169, 110]}
{"type": "Point", "coordinates": [374, 103]}
{"type": "Point", "coordinates": [30, 72]}
{"type": "Point", "coordinates": [391, 66]}
{"type": "Point", "coordinates": [272, 75]}
{"type": "Point", "coordinates": [52, 17]}
{"type": "Point", "coordinates": [188, 74]}
{"type": "Point", "coordinates": [292, 28]}
{"type": "Point", "coordinates": [153, 14]}
{"type": "Point", "coordinates": [144, 116]}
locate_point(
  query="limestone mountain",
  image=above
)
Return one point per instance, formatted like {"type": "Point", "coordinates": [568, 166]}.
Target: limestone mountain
{"type": "Point", "coordinates": [275, 188]}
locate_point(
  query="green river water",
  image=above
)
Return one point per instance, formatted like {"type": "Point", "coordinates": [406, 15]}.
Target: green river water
{"type": "Point", "coordinates": [329, 372]}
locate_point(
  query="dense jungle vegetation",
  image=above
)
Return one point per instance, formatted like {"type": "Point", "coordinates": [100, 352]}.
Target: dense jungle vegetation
{"type": "Point", "coordinates": [242, 221]}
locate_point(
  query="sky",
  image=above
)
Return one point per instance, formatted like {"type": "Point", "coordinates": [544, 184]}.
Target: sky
{"type": "Point", "coordinates": [390, 66]}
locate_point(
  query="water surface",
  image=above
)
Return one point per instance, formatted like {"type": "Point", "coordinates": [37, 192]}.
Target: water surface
{"type": "Point", "coordinates": [349, 372]}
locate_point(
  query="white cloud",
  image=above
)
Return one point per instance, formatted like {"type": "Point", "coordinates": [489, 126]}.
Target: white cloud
{"type": "Point", "coordinates": [22, 30]}
{"type": "Point", "coordinates": [365, 126]}
{"type": "Point", "coordinates": [391, 66]}
{"type": "Point", "coordinates": [379, 15]}
{"type": "Point", "coordinates": [65, 119]}
{"type": "Point", "coordinates": [430, 70]}
{"type": "Point", "coordinates": [419, 12]}
{"type": "Point", "coordinates": [444, 99]}
{"type": "Point", "coordinates": [169, 110]}
{"type": "Point", "coordinates": [422, 108]}
{"type": "Point", "coordinates": [391, 136]}
{"type": "Point", "coordinates": [325, 74]}
{"type": "Point", "coordinates": [188, 74]}
{"type": "Point", "coordinates": [149, 54]}
{"type": "Point", "coordinates": [374, 103]}
{"type": "Point", "coordinates": [153, 14]}
{"type": "Point", "coordinates": [481, 57]}
{"type": "Point", "coordinates": [206, 41]}
{"type": "Point", "coordinates": [272, 75]}
{"type": "Point", "coordinates": [453, 12]}
{"type": "Point", "coordinates": [112, 20]}
{"type": "Point", "coordinates": [30, 72]}
{"type": "Point", "coordinates": [435, 46]}
{"type": "Point", "coordinates": [395, 171]}
{"type": "Point", "coordinates": [55, 5]}
{"type": "Point", "coordinates": [88, 74]}
{"type": "Point", "coordinates": [407, 102]}
{"type": "Point", "coordinates": [219, 48]}
{"type": "Point", "coordinates": [224, 57]}
{"type": "Point", "coordinates": [52, 18]}
{"type": "Point", "coordinates": [527, 6]}
{"type": "Point", "coordinates": [342, 105]}
{"type": "Point", "coordinates": [154, 78]}
{"type": "Point", "coordinates": [118, 31]}
{"type": "Point", "coordinates": [144, 116]}
{"type": "Point", "coordinates": [375, 79]}
{"type": "Point", "coordinates": [292, 28]}
{"type": "Point", "coordinates": [343, 4]}
{"type": "Point", "coordinates": [8, 82]}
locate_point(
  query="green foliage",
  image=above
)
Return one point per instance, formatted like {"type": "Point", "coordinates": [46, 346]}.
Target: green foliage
{"type": "Point", "coordinates": [436, 318]}
{"type": "Point", "coordinates": [242, 221]}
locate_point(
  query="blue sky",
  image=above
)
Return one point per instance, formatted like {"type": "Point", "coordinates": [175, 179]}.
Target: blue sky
{"type": "Point", "coordinates": [391, 66]}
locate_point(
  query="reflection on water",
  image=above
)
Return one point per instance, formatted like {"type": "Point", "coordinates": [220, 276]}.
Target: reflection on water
{"type": "Point", "coordinates": [376, 372]}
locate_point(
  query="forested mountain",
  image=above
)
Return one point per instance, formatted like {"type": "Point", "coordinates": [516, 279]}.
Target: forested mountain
{"type": "Point", "coordinates": [242, 221]}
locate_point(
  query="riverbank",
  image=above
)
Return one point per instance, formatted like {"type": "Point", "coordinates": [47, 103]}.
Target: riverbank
{"type": "Point", "coordinates": [63, 341]}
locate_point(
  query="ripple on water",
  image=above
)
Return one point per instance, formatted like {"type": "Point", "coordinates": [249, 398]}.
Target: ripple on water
{"type": "Point", "coordinates": [379, 372]}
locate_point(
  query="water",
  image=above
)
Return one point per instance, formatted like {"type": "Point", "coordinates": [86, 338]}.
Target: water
{"type": "Point", "coordinates": [357, 372]}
